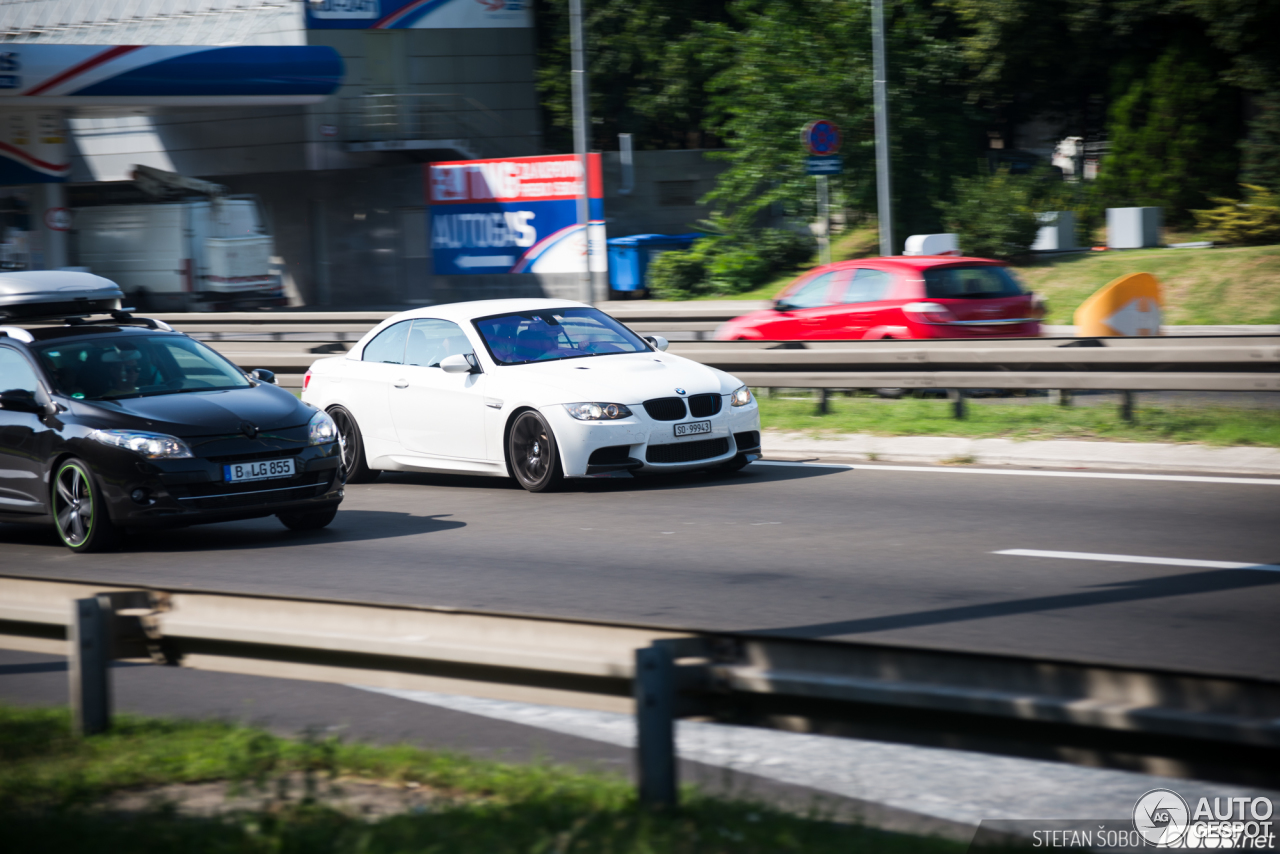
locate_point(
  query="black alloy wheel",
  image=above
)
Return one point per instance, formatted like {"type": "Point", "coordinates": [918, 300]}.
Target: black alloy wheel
{"type": "Point", "coordinates": [308, 520]}
{"type": "Point", "coordinates": [532, 453]}
{"type": "Point", "coordinates": [354, 464]}
{"type": "Point", "coordinates": [79, 512]}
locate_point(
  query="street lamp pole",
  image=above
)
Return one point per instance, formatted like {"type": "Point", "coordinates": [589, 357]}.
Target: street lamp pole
{"type": "Point", "coordinates": [884, 189]}
{"type": "Point", "coordinates": [578, 78]}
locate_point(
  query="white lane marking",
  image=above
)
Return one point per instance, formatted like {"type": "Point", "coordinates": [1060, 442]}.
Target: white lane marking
{"type": "Point", "coordinates": [1163, 561]}
{"type": "Point", "coordinates": [951, 784]}
{"type": "Point", "coordinates": [1189, 478]}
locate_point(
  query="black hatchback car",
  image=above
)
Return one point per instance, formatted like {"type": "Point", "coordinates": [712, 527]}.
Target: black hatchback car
{"type": "Point", "coordinates": [124, 424]}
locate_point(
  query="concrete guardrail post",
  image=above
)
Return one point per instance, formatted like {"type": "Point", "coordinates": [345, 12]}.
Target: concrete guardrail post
{"type": "Point", "coordinates": [89, 648]}
{"type": "Point", "coordinates": [655, 694]}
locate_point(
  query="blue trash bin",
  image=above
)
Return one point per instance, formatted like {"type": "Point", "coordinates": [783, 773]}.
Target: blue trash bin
{"type": "Point", "coordinates": [629, 258]}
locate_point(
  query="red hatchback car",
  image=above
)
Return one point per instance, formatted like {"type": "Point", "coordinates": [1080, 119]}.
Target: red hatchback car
{"type": "Point", "coordinates": [899, 297]}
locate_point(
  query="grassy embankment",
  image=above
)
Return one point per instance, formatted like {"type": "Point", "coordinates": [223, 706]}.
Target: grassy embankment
{"type": "Point", "coordinates": [1037, 419]}
{"type": "Point", "coordinates": [56, 795]}
{"type": "Point", "coordinates": [1225, 285]}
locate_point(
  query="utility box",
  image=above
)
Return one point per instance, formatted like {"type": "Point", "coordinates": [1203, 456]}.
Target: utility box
{"type": "Point", "coordinates": [1133, 228]}
{"type": "Point", "coordinates": [629, 258]}
{"type": "Point", "coordinates": [932, 244]}
{"type": "Point", "coordinates": [1057, 231]}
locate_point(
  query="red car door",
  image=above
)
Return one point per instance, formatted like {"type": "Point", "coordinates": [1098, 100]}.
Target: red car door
{"type": "Point", "coordinates": [861, 299]}
{"type": "Point", "coordinates": [800, 313]}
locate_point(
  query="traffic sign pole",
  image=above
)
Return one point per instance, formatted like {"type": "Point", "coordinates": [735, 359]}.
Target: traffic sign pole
{"type": "Point", "coordinates": [824, 216]}
{"type": "Point", "coordinates": [822, 138]}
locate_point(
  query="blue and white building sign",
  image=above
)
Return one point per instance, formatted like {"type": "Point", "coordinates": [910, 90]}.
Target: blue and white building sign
{"type": "Point", "coordinates": [417, 14]}
{"type": "Point", "coordinates": [514, 215]}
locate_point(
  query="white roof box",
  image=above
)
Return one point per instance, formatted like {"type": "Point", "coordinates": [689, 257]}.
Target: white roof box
{"type": "Point", "coordinates": [932, 244]}
{"type": "Point", "coordinates": [56, 293]}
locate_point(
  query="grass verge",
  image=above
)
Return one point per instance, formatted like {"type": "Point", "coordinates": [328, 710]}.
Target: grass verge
{"type": "Point", "coordinates": [1227, 285]}
{"type": "Point", "coordinates": [1209, 425]}
{"type": "Point", "coordinates": [52, 787]}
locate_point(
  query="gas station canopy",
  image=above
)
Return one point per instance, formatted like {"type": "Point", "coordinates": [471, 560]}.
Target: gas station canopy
{"type": "Point", "coordinates": [45, 75]}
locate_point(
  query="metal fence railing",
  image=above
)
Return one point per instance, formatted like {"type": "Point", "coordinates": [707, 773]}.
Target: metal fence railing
{"type": "Point", "coordinates": [1177, 723]}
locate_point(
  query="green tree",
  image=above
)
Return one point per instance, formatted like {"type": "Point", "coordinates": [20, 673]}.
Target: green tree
{"type": "Point", "coordinates": [789, 62]}
{"type": "Point", "coordinates": [1172, 135]}
{"type": "Point", "coordinates": [644, 78]}
{"type": "Point", "coordinates": [994, 215]}
{"type": "Point", "coordinates": [1261, 148]}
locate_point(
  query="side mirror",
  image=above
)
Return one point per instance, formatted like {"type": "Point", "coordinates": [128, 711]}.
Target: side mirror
{"type": "Point", "coordinates": [658, 342]}
{"type": "Point", "coordinates": [458, 363]}
{"type": "Point", "coordinates": [263, 375]}
{"type": "Point", "coordinates": [20, 400]}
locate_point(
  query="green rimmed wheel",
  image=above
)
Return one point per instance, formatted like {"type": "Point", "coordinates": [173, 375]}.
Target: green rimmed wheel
{"type": "Point", "coordinates": [532, 452]}
{"type": "Point", "coordinates": [79, 513]}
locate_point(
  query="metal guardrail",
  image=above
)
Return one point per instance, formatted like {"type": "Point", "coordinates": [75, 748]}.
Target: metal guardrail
{"type": "Point", "coordinates": [288, 342]}
{"type": "Point", "coordinates": [1173, 723]}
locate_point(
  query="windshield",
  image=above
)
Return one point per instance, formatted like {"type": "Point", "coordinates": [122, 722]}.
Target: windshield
{"type": "Point", "coordinates": [971, 283]}
{"type": "Point", "coordinates": [136, 366]}
{"type": "Point", "coordinates": [555, 333]}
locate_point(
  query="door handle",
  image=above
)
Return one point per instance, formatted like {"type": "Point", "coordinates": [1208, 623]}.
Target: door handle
{"type": "Point", "coordinates": [401, 383]}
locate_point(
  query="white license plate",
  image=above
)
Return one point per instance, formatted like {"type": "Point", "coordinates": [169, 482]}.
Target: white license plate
{"type": "Point", "coordinates": [261, 470]}
{"type": "Point", "coordinates": [693, 428]}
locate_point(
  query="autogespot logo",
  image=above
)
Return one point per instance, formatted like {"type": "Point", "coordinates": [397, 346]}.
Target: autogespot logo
{"type": "Point", "coordinates": [1161, 817]}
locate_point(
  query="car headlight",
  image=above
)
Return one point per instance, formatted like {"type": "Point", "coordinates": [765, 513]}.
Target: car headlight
{"type": "Point", "coordinates": [153, 446]}
{"type": "Point", "coordinates": [598, 411]}
{"type": "Point", "coordinates": [741, 396]}
{"type": "Point", "coordinates": [321, 430]}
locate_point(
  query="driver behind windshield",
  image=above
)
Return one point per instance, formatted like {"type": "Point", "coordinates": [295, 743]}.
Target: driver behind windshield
{"type": "Point", "coordinates": [125, 372]}
{"type": "Point", "coordinates": [561, 333]}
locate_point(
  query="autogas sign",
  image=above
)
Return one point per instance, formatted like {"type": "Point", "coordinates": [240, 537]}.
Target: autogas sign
{"type": "Point", "coordinates": [512, 215]}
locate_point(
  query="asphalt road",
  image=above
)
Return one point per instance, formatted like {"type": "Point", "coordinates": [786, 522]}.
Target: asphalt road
{"type": "Point", "coordinates": [884, 555]}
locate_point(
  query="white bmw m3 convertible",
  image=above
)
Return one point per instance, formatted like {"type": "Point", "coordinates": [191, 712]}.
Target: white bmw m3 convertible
{"type": "Point", "coordinates": [535, 389]}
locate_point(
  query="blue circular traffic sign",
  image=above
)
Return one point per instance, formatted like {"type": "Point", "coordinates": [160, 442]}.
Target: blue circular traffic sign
{"type": "Point", "coordinates": [821, 137]}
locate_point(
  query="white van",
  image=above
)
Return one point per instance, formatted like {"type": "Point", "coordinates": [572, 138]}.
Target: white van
{"type": "Point", "coordinates": [196, 255]}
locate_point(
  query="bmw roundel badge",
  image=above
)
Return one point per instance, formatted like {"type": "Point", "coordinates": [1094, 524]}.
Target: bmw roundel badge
{"type": "Point", "coordinates": [680, 391]}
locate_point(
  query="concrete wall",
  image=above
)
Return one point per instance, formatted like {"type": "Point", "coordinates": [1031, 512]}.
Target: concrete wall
{"type": "Point", "coordinates": [490, 74]}
{"type": "Point", "coordinates": [668, 185]}
{"type": "Point", "coordinates": [358, 237]}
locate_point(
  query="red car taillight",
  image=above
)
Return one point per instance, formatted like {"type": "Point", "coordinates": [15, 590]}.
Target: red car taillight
{"type": "Point", "coordinates": [929, 312]}
{"type": "Point", "coordinates": [306, 380]}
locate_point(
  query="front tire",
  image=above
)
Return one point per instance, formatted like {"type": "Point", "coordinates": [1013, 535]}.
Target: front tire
{"type": "Point", "coordinates": [353, 458]}
{"type": "Point", "coordinates": [79, 511]}
{"type": "Point", "coordinates": [532, 453]}
{"type": "Point", "coordinates": [308, 520]}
